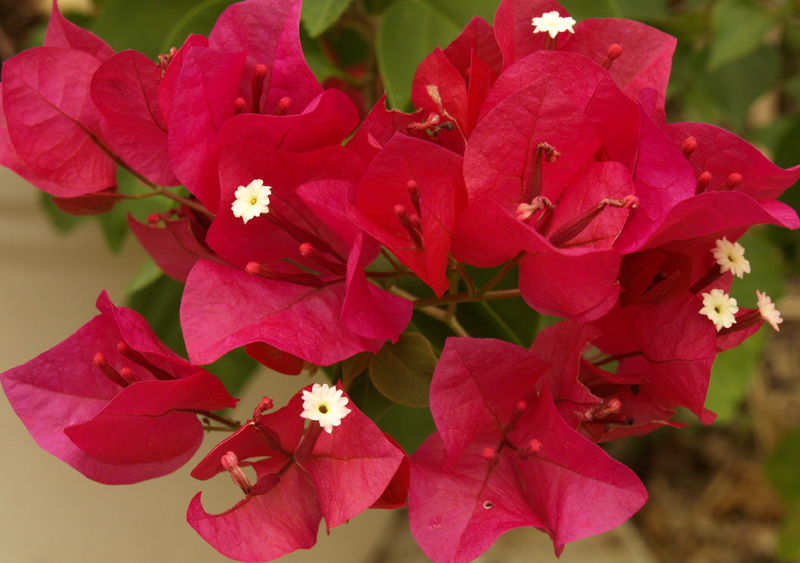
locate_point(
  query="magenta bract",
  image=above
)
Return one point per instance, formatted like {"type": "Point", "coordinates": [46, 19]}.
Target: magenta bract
{"type": "Point", "coordinates": [110, 433]}
{"type": "Point", "coordinates": [347, 471]}
{"type": "Point", "coordinates": [504, 458]}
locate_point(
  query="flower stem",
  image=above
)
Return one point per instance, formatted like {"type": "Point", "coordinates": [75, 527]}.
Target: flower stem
{"type": "Point", "coordinates": [499, 276]}
{"type": "Point", "coordinates": [464, 297]}
{"type": "Point", "coordinates": [231, 424]}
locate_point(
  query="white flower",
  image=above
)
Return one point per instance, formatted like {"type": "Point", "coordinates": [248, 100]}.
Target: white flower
{"type": "Point", "coordinates": [730, 256]}
{"type": "Point", "coordinates": [720, 308]}
{"type": "Point", "coordinates": [552, 23]}
{"type": "Point", "coordinates": [768, 311]}
{"type": "Point", "coordinates": [326, 405]}
{"type": "Point", "coordinates": [252, 200]}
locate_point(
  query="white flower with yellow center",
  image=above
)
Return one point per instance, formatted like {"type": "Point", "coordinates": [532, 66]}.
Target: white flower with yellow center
{"type": "Point", "coordinates": [251, 200]}
{"type": "Point", "coordinates": [720, 308]}
{"type": "Point", "coordinates": [325, 405]}
{"type": "Point", "coordinates": [730, 256]}
{"type": "Point", "coordinates": [553, 23]}
{"type": "Point", "coordinates": [767, 310]}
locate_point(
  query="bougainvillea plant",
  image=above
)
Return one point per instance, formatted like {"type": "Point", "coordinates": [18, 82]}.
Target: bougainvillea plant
{"type": "Point", "coordinates": [311, 232]}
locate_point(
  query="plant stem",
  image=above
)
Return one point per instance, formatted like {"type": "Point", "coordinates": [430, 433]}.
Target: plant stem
{"type": "Point", "coordinates": [500, 275]}
{"type": "Point", "coordinates": [464, 297]}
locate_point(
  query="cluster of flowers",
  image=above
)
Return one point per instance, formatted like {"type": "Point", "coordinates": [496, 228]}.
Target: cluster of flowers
{"type": "Point", "coordinates": [538, 143]}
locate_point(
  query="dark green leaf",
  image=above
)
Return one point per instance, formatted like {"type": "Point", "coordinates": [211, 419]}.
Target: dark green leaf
{"type": "Point", "coordinates": [234, 369]}
{"type": "Point", "coordinates": [409, 31]}
{"type": "Point", "coordinates": [738, 28]}
{"type": "Point", "coordinates": [584, 9]}
{"type": "Point", "coordinates": [738, 84]}
{"type": "Point", "coordinates": [782, 468]}
{"type": "Point", "coordinates": [159, 303]}
{"type": "Point", "coordinates": [408, 425]}
{"type": "Point", "coordinates": [461, 11]}
{"type": "Point", "coordinates": [354, 366]}
{"type": "Point", "coordinates": [319, 15]}
{"type": "Point", "coordinates": [316, 58]}
{"type": "Point", "coordinates": [731, 376]}
{"type": "Point", "coordinates": [402, 372]}
{"type": "Point", "coordinates": [141, 25]}
{"type": "Point", "coordinates": [200, 20]}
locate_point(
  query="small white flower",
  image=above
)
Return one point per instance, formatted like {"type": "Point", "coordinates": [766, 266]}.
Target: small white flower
{"type": "Point", "coordinates": [326, 405]}
{"type": "Point", "coordinates": [552, 23]}
{"type": "Point", "coordinates": [730, 256]}
{"type": "Point", "coordinates": [252, 200]}
{"type": "Point", "coordinates": [720, 308]}
{"type": "Point", "coordinates": [768, 311]}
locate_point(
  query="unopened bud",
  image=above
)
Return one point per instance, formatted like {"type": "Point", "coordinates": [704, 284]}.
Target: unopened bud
{"type": "Point", "coordinates": [231, 464]}
{"type": "Point", "coordinates": [238, 105]}
{"type": "Point", "coordinates": [490, 456]}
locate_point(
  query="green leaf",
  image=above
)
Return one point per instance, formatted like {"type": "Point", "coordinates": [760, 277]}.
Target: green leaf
{"type": "Point", "coordinates": [317, 59]}
{"type": "Point", "coordinates": [731, 376]}
{"type": "Point", "coordinates": [354, 366]}
{"type": "Point", "coordinates": [408, 425]}
{"type": "Point", "coordinates": [738, 28]}
{"type": "Point", "coordinates": [147, 274]}
{"type": "Point", "coordinates": [737, 85]}
{"type": "Point", "coordinates": [234, 369]}
{"type": "Point", "coordinates": [643, 9]}
{"type": "Point", "coordinates": [141, 25]}
{"type": "Point", "coordinates": [789, 535]}
{"type": "Point", "coordinates": [319, 15]}
{"type": "Point", "coordinates": [765, 265]}
{"type": "Point", "coordinates": [461, 11]}
{"type": "Point", "coordinates": [200, 20]}
{"type": "Point", "coordinates": [781, 468]}
{"type": "Point", "coordinates": [402, 372]}
{"type": "Point", "coordinates": [408, 32]}
{"type": "Point", "coordinates": [507, 319]}
{"type": "Point", "coordinates": [159, 303]}
{"type": "Point", "coordinates": [585, 9]}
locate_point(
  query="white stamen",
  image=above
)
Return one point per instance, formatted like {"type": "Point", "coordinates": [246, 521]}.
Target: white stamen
{"type": "Point", "coordinates": [252, 200]}
{"type": "Point", "coordinates": [768, 311]}
{"type": "Point", "coordinates": [552, 23]}
{"type": "Point", "coordinates": [730, 256]}
{"type": "Point", "coordinates": [720, 308]}
{"type": "Point", "coordinates": [325, 405]}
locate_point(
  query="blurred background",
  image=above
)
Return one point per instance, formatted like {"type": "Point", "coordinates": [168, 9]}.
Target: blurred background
{"type": "Point", "coordinates": [725, 493]}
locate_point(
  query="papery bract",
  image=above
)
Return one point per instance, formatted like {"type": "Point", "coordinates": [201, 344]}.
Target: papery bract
{"type": "Point", "coordinates": [125, 90]}
{"type": "Point", "coordinates": [437, 174]}
{"type": "Point", "coordinates": [114, 434]}
{"type": "Point", "coordinates": [504, 458]}
{"type": "Point", "coordinates": [347, 471]}
{"type": "Point", "coordinates": [670, 344]}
